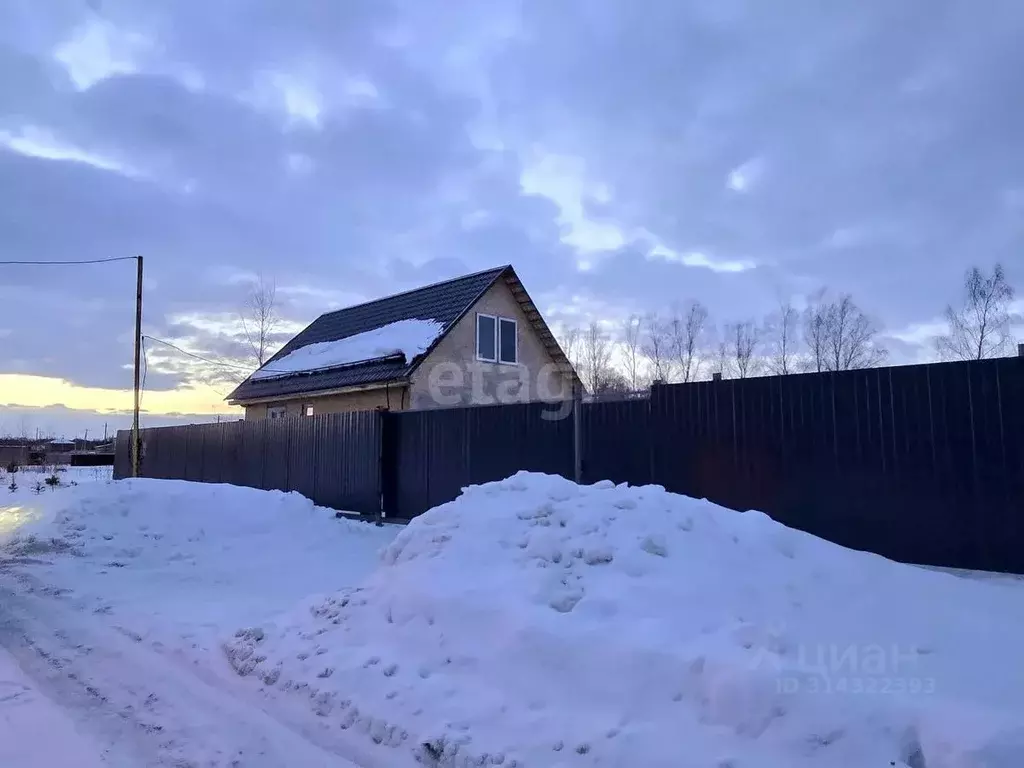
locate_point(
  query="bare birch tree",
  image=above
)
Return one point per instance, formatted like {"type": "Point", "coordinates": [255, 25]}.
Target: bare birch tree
{"type": "Point", "coordinates": [781, 330]}
{"type": "Point", "coordinates": [980, 328]}
{"type": "Point", "coordinates": [744, 340]}
{"type": "Point", "coordinates": [260, 319]}
{"type": "Point", "coordinates": [571, 343]}
{"type": "Point", "coordinates": [686, 334]}
{"type": "Point", "coordinates": [631, 352]}
{"type": "Point", "coordinates": [849, 337]}
{"type": "Point", "coordinates": [721, 362]}
{"type": "Point", "coordinates": [815, 321]}
{"type": "Point", "coordinates": [596, 358]}
{"type": "Point", "coordinates": [656, 346]}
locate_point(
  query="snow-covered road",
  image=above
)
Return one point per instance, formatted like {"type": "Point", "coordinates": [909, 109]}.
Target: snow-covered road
{"type": "Point", "coordinates": [110, 656]}
{"type": "Point", "coordinates": [136, 701]}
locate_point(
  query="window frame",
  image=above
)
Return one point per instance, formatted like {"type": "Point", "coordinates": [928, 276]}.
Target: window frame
{"type": "Point", "coordinates": [515, 338]}
{"type": "Point", "coordinates": [307, 409]}
{"type": "Point", "coordinates": [280, 410]}
{"type": "Point", "coordinates": [476, 339]}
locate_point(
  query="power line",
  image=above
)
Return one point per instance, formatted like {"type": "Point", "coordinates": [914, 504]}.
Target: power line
{"type": "Point", "coordinates": [68, 263]}
{"type": "Point", "coordinates": [145, 370]}
{"type": "Point", "coordinates": [247, 368]}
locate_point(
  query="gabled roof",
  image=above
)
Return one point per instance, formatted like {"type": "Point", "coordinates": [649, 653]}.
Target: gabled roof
{"type": "Point", "coordinates": [445, 303]}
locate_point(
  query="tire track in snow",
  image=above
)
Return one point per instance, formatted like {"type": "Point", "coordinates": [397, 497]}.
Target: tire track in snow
{"type": "Point", "coordinates": [147, 706]}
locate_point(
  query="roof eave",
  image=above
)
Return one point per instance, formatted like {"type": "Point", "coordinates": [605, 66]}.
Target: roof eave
{"type": "Point", "coordinates": [382, 384]}
{"type": "Point", "coordinates": [540, 326]}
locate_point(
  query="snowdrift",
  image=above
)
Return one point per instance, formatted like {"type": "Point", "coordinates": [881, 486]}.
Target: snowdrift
{"type": "Point", "coordinates": [534, 622]}
{"type": "Point", "coordinates": [170, 553]}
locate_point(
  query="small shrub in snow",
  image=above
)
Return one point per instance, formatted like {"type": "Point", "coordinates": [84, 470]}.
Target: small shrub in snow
{"type": "Point", "coordinates": [13, 486]}
{"type": "Point", "coordinates": [53, 480]}
{"type": "Point", "coordinates": [38, 487]}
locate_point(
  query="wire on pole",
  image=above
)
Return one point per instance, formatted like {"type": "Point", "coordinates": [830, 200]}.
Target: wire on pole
{"type": "Point", "coordinates": [66, 263]}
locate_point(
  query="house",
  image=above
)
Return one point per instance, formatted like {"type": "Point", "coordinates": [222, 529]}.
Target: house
{"type": "Point", "coordinates": [475, 339]}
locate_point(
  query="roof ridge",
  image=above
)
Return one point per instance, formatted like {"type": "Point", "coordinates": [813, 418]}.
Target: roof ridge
{"type": "Point", "coordinates": [418, 288]}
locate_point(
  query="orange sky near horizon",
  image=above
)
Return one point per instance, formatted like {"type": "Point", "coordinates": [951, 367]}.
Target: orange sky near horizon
{"type": "Point", "coordinates": [41, 391]}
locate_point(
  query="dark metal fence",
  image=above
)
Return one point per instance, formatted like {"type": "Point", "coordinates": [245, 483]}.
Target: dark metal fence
{"type": "Point", "coordinates": [333, 459]}
{"type": "Point", "coordinates": [429, 456]}
{"type": "Point", "coordinates": [922, 463]}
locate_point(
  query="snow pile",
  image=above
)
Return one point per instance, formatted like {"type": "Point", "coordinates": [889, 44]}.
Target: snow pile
{"type": "Point", "coordinates": [534, 622]}
{"type": "Point", "coordinates": [406, 337]}
{"type": "Point", "coordinates": [114, 601]}
{"type": "Point", "coordinates": [190, 554]}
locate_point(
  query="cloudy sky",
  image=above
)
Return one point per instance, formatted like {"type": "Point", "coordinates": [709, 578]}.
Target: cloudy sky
{"type": "Point", "coordinates": [622, 155]}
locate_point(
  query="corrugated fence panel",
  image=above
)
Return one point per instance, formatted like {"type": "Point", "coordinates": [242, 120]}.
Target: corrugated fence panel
{"type": "Point", "coordinates": [326, 460]}
{"type": "Point", "coordinates": [302, 450]}
{"type": "Point", "coordinates": [193, 438]}
{"type": "Point", "coordinates": [347, 461]}
{"type": "Point", "coordinates": [406, 473]}
{"type": "Point", "coordinates": [275, 453]}
{"type": "Point", "coordinates": [503, 440]}
{"type": "Point", "coordinates": [123, 455]}
{"type": "Point", "coordinates": [616, 444]}
{"type": "Point", "coordinates": [437, 453]}
{"type": "Point", "coordinates": [919, 463]}
{"type": "Point", "coordinates": [213, 453]}
{"type": "Point", "coordinates": [1001, 540]}
{"type": "Point", "coordinates": [251, 438]}
{"type": "Point", "coordinates": [232, 467]}
{"type": "Point", "coordinates": [1011, 400]}
{"type": "Point", "coordinates": [431, 454]}
{"type": "Point", "coordinates": [332, 459]}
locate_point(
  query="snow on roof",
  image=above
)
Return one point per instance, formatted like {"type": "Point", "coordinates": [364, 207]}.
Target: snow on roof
{"type": "Point", "coordinates": [406, 337]}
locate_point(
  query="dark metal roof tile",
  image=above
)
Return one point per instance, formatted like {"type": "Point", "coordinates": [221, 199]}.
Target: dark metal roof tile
{"type": "Point", "coordinates": [443, 302]}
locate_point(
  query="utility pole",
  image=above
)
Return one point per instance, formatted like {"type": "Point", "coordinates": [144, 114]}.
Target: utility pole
{"type": "Point", "coordinates": [136, 441]}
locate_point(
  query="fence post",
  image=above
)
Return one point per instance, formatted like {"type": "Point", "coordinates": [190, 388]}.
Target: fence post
{"type": "Point", "coordinates": [1020, 350]}
{"type": "Point", "coordinates": [382, 473]}
{"type": "Point", "coordinates": [577, 432]}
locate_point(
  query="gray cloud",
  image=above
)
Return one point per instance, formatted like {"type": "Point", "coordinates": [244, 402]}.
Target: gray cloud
{"type": "Point", "coordinates": [353, 149]}
{"type": "Point", "coordinates": [894, 122]}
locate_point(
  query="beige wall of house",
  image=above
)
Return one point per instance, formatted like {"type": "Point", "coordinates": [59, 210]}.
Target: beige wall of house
{"type": "Point", "coordinates": [360, 400]}
{"type": "Point", "coordinates": [453, 376]}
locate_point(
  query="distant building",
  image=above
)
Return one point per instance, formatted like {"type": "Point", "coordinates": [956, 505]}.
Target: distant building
{"type": "Point", "coordinates": [18, 453]}
{"type": "Point", "coordinates": [59, 451]}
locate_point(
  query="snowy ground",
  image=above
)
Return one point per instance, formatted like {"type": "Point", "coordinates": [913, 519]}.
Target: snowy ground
{"type": "Point", "coordinates": [114, 598]}
{"type": "Point", "coordinates": [530, 622]}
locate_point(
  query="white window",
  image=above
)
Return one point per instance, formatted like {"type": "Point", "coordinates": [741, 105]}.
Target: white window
{"type": "Point", "coordinates": [496, 339]}
{"type": "Point", "coordinates": [308, 409]}
{"type": "Point", "coordinates": [487, 338]}
{"type": "Point", "coordinates": [508, 345]}
{"type": "Point", "coordinates": [276, 411]}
